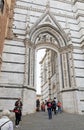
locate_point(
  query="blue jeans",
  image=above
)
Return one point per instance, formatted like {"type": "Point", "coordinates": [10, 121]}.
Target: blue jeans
{"type": "Point", "coordinates": [59, 110]}
{"type": "Point", "coordinates": [50, 113]}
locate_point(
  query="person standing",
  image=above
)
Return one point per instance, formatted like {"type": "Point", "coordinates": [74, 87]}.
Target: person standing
{"type": "Point", "coordinates": [54, 106]}
{"type": "Point", "coordinates": [18, 111]}
{"type": "Point", "coordinates": [59, 104]}
{"type": "Point", "coordinates": [37, 105]}
{"type": "Point", "coordinates": [5, 122]}
{"type": "Point", "coordinates": [49, 108]}
{"type": "Point", "coordinates": [43, 106]}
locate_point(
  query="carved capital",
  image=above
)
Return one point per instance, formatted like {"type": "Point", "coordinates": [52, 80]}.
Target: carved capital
{"type": "Point", "coordinates": [66, 49]}
{"type": "Point", "coordinates": [27, 42]}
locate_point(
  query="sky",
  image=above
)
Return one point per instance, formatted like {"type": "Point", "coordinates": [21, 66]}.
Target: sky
{"type": "Point", "coordinates": [40, 55]}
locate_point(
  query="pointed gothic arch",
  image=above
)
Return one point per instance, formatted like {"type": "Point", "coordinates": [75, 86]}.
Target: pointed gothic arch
{"type": "Point", "coordinates": [61, 46]}
{"type": "Point", "coordinates": [47, 28]}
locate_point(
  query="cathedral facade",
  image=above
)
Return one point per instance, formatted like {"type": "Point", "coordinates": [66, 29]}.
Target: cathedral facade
{"type": "Point", "coordinates": [57, 25]}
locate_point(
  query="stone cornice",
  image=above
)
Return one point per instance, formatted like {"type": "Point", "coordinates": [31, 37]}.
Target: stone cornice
{"type": "Point", "coordinates": [78, 15]}
{"type": "Point", "coordinates": [43, 11]}
{"type": "Point", "coordinates": [30, 8]}
{"type": "Point", "coordinates": [69, 90]}
{"type": "Point", "coordinates": [74, 2]}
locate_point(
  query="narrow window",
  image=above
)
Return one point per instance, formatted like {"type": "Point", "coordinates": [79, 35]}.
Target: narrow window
{"type": "Point", "coordinates": [1, 5]}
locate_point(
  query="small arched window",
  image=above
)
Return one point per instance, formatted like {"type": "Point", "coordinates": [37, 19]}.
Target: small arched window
{"type": "Point", "coordinates": [1, 5]}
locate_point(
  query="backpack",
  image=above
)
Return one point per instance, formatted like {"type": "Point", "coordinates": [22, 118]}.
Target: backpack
{"type": "Point", "coordinates": [54, 104]}
{"type": "Point", "coordinates": [4, 124]}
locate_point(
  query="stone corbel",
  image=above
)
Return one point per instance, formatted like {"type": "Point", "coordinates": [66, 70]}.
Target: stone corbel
{"type": "Point", "coordinates": [66, 49]}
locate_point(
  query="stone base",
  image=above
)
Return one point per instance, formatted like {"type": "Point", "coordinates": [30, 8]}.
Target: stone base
{"type": "Point", "coordinates": [10, 93]}
{"type": "Point", "coordinates": [73, 101]}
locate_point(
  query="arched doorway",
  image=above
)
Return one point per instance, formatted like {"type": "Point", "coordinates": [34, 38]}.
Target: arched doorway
{"type": "Point", "coordinates": [47, 36]}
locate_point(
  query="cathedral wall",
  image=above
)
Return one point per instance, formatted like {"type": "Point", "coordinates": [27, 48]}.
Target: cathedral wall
{"type": "Point", "coordinates": [29, 101]}
{"type": "Point", "coordinates": [80, 99]}
{"type": "Point", "coordinates": [79, 67]}
{"type": "Point", "coordinates": [53, 86]}
{"type": "Point", "coordinates": [45, 91]}
{"type": "Point", "coordinates": [70, 18]}
{"type": "Point", "coordinates": [62, 11]}
{"type": "Point", "coordinates": [9, 95]}
{"type": "Point", "coordinates": [79, 12]}
{"type": "Point", "coordinates": [69, 101]}
{"type": "Point", "coordinates": [13, 63]}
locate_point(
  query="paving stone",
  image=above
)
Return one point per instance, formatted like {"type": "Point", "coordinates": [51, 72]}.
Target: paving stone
{"type": "Point", "coordinates": [63, 121]}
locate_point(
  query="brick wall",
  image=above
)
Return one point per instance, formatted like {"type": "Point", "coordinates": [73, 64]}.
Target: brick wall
{"type": "Point", "coordinates": [4, 20]}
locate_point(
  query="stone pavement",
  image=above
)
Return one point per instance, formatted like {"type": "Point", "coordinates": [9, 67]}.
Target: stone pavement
{"type": "Point", "coordinates": [63, 121]}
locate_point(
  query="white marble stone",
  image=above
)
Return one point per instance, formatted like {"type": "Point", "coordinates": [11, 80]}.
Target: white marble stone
{"type": "Point", "coordinates": [13, 58]}
{"type": "Point", "coordinates": [15, 43]}
{"type": "Point", "coordinates": [14, 49]}
{"type": "Point", "coordinates": [13, 67]}
{"type": "Point", "coordinates": [11, 78]}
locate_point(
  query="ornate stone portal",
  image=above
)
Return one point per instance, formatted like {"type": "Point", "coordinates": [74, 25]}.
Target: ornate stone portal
{"type": "Point", "coordinates": [18, 68]}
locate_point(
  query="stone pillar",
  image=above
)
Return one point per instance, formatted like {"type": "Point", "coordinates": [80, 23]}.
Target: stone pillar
{"type": "Point", "coordinates": [28, 90]}
{"type": "Point", "coordinates": [32, 66]}
{"type": "Point", "coordinates": [66, 65]}
{"type": "Point", "coordinates": [29, 64]}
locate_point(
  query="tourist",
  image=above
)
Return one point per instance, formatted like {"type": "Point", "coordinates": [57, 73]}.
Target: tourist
{"type": "Point", "coordinates": [37, 105]}
{"type": "Point", "coordinates": [5, 122]}
{"type": "Point", "coordinates": [18, 111]}
{"type": "Point", "coordinates": [59, 104]}
{"type": "Point", "coordinates": [54, 106]}
{"type": "Point", "coordinates": [43, 106]}
{"type": "Point", "coordinates": [49, 108]}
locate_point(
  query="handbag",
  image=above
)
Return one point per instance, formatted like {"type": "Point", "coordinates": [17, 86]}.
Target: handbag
{"type": "Point", "coordinates": [15, 110]}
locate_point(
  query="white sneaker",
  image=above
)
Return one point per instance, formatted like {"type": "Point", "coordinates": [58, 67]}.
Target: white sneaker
{"type": "Point", "coordinates": [16, 126]}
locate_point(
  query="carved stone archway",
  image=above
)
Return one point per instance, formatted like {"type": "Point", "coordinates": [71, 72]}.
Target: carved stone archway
{"type": "Point", "coordinates": [50, 35]}
{"type": "Point", "coordinates": [59, 45]}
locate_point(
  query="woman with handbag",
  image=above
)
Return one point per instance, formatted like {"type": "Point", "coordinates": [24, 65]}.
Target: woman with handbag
{"type": "Point", "coordinates": [18, 112]}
